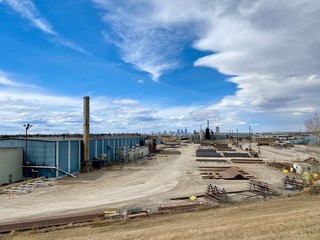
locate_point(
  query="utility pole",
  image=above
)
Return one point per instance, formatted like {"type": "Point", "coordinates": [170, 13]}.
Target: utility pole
{"type": "Point", "coordinates": [237, 138]}
{"type": "Point", "coordinates": [249, 137]}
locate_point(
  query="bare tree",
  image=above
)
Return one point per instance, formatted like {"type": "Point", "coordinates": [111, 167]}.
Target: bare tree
{"type": "Point", "coordinates": [312, 125]}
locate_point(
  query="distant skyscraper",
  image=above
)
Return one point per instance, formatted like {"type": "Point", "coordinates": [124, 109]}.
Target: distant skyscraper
{"type": "Point", "coordinates": [186, 131]}
{"type": "Point", "coordinates": [178, 131]}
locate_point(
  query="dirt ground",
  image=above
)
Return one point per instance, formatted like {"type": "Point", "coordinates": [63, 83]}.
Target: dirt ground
{"type": "Point", "coordinates": [147, 184]}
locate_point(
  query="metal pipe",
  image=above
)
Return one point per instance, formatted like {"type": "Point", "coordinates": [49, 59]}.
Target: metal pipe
{"type": "Point", "coordinates": [50, 167]}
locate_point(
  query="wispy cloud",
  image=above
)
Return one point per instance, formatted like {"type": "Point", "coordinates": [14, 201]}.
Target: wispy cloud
{"type": "Point", "coordinates": [269, 46]}
{"type": "Point", "coordinates": [144, 42]}
{"type": "Point", "coordinates": [6, 81]}
{"type": "Point", "coordinates": [28, 10]}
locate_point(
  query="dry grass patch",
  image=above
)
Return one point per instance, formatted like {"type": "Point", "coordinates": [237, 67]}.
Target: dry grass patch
{"type": "Point", "coordinates": [291, 218]}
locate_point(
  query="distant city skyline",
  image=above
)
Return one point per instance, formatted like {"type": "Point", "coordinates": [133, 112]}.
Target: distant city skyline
{"type": "Point", "coordinates": [150, 66]}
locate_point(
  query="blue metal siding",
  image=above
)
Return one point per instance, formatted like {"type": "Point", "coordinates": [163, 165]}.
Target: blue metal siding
{"type": "Point", "coordinates": [63, 156]}
{"type": "Point", "coordinates": [99, 150]}
{"type": "Point", "coordinates": [113, 150]}
{"type": "Point", "coordinates": [92, 149]}
{"type": "Point", "coordinates": [74, 156]}
{"type": "Point", "coordinates": [43, 153]}
{"type": "Point", "coordinates": [40, 153]}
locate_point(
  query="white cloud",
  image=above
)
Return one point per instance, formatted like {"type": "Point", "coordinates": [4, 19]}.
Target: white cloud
{"type": "Point", "coordinates": [125, 101]}
{"type": "Point", "coordinates": [28, 10]}
{"type": "Point", "coordinates": [51, 113]}
{"type": "Point", "coordinates": [140, 81]}
{"type": "Point", "coordinates": [144, 42]}
{"type": "Point", "coordinates": [270, 47]}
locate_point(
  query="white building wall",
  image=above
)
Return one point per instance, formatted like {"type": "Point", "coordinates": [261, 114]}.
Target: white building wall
{"type": "Point", "coordinates": [10, 164]}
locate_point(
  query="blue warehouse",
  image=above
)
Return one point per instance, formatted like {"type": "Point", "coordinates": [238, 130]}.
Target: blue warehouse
{"type": "Point", "coordinates": [57, 157]}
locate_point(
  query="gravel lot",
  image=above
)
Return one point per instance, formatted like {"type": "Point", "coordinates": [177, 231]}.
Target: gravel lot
{"type": "Point", "coordinates": [148, 184]}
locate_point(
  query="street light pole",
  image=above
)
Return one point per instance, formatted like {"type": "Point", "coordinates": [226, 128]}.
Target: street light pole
{"type": "Point", "coordinates": [27, 127]}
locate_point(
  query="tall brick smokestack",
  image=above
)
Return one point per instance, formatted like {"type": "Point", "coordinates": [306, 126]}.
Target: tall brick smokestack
{"type": "Point", "coordinates": [86, 133]}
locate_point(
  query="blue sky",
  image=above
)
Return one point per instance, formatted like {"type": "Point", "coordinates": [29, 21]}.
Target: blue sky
{"type": "Point", "coordinates": [158, 65]}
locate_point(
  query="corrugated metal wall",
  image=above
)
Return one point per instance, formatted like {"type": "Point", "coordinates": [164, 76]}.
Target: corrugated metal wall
{"type": "Point", "coordinates": [66, 155]}
{"type": "Point", "coordinates": [75, 156]}
{"type": "Point", "coordinates": [63, 156]}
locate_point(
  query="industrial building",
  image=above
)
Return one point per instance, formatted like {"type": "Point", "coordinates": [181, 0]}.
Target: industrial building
{"type": "Point", "coordinates": [54, 158]}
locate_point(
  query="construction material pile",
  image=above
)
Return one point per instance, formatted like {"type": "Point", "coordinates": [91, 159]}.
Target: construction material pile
{"type": "Point", "coordinates": [129, 213]}
{"type": "Point", "coordinates": [222, 147]}
{"type": "Point", "coordinates": [261, 188]}
{"type": "Point", "coordinates": [24, 188]}
{"type": "Point", "coordinates": [219, 195]}
{"type": "Point", "coordinates": [281, 165]}
{"type": "Point", "coordinates": [235, 154]}
{"type": "Point", "coordinates": [226, 173]}
{"type": "Point", "coordinates": [211, 160]}
{"type": "Point", "coordinates": [292, 183]}
{"type": "Point", "coordinates": [247, 161]}
{"type": "Point", "coordinates": [207, 153]}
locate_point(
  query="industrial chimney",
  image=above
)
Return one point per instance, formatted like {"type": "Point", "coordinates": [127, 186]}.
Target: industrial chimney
{"type": "Point", "coordinates": [207, 134]}
{"type": "Point", "coordinates": [86, 134]}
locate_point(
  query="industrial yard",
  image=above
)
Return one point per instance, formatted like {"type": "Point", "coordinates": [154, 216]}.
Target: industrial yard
{"type": "Point", "coordinates": [160, 183]}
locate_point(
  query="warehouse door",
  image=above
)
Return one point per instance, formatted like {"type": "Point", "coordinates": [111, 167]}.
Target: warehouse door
{"type": "Point", "coordinates": [10, 178]}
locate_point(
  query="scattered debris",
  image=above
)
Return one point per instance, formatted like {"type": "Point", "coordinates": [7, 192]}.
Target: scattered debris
{"type": "Point", "coordinates": [292, 183]}
{"type": "Point", "coordinates": [129, 213]}
{"type": "Point", "coordinates": [28, 187]}
{"type": "Point", "coordinates": [248, 161]}
{"type": "Point", "coordinates": [253, 153]}
{"type": "Point", "coordinates": [226, 173]}
{"type": "Point", "coordinates": [211, 160]}
{"type": "Point", "coordinates": [281, 165]}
